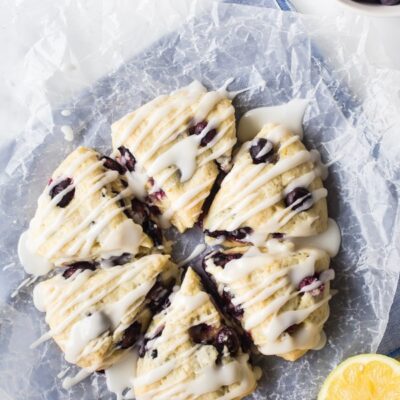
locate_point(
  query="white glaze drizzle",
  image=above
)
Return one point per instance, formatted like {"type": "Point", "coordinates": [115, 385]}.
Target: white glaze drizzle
{"type": "Point", "coordinates": [289, 114]}
{"type": "Point", "coordinates": [32, 262]}
{"type": "Point", "coordinates": [120, 376]}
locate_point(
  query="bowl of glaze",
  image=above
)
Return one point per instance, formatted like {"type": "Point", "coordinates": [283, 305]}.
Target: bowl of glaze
{"type": "Point", "coordinates": [372, 9]}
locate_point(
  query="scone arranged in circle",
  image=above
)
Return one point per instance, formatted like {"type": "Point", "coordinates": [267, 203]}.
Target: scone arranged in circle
{"type": "Point", "coordinates": [274, 189]}
{"type": "Point", "coordinates": [281, 298]}
{"type": "Point", "coordinates": [95, 315]}
{"type": "Point", "coordinates": [189, 353]}
{"type": "Point", "coordinates": [85, 212]}
{"type": "Point", "coordinates": [176, 144]}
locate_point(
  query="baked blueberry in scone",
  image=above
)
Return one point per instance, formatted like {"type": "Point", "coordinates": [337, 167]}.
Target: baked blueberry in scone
{"type": "Point", "coordinates": [273, 189]}
{"type": "Point", "coordinates": [176, 144]}
{"type": "Point", "coordinates": [280, 298]}
{"type": "Point", "coordinates": [189, 352]}
{"type": "Point", "coordinates": [95, 315]}
{"type": "Point", "coordinates": [85, 212]}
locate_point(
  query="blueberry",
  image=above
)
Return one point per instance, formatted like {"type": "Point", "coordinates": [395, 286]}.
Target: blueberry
{"type": "Point", "coordinates": [152, 229]}
{"type": "Point", "coordinates": [308, 280]}
{"type": "Point", "coordinates": [58, 188]}
{"type": "Point", "coordinates": [198, 129]}
{"type": "Point", "coordinates": [239, 234]}
{"type": "Point", "coordinates": [227, 337]}
{"type": "Point", "coordinates": [262, 151]}
{"type": "Point", "coordinates": [143, 345]}
{"type": "Point", "coordinates": [293, 329]}
{"type": "Point", "coordinates": [201, 334]}
{"type": "Point", "coordinates": [158, 195]}
{"type": "Point", "coordinates": [124, 258]}
{"type": "Point", "coordinates": [79, 265]}
{"type": "Point", "coordinates": [277, 235]}
{"type": "Point", "coordinates": [302, 194]}
{"type": "Point", "coordinates": [130, 336]}
{"type": "Point", "coordinates": [109, 163]}
{"type": "Point", "coordinates": [127, 159]}
{"type": "Point", "coordinates": [229, 307]}
{"type": "Point", "coordinates": [221, 259]}
{"type": "Point", "coordinates": [158, 296]}
{"type": "Point", "coordinates": [154, 353]}
{"type": "Point", "coordinates": [140, 211]}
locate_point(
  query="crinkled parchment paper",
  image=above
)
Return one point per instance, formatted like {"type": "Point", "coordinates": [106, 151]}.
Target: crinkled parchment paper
{"type": "Point", "coordinates": [252, 44]}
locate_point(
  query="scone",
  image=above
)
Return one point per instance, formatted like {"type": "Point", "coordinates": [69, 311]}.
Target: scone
{"type": "Point", "coordinates": [85, 212]}
{"type": "Point", "coordinates": [189, 353]}
{"type": "Point", "coordinates": [274, 189]}
{"type": "Point", "coordinates": [95, 315]}
{"type": "Point", "coordinates": [280, 298]}
{"type": "Point", "coordinates": [178, 142]}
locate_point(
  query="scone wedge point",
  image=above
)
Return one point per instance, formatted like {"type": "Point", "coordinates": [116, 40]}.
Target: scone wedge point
{"type": "Point", "coordinates": [190, 353]}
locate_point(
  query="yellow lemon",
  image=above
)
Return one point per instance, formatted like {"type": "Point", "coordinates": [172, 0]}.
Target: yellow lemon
{"type": "Point", "coordinates": [363, 377]}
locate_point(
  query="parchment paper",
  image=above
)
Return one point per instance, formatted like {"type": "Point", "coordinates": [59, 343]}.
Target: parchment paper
{"type": "Point", "coordinates": [251, 44]}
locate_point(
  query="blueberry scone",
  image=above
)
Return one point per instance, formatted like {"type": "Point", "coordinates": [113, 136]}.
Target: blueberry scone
{"type": "Point", "coordinates": [280, 298]}
{"type": "Point", "coordinates": [94, 315]}
{"type": "Point", "coordinates": [189, 353]}
{"type": "Point", "coordinates": [86, 212]}
{"type": "Point", "coordinates": [274, 189]}
{"type": "Point", "coordinates": [176, 144]}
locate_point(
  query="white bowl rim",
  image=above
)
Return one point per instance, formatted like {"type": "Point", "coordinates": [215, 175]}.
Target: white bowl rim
{"type": "Point", "coordinates": [374, 10]}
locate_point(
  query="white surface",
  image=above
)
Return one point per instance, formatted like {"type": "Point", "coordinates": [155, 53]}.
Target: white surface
{"type": "Point", "coordinates": [373, 9]}
{"type": "Point", "coordinates": [383, 42]}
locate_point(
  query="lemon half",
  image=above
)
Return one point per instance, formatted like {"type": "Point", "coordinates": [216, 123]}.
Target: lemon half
{"type": "Point", "coordinates": [363, 377]}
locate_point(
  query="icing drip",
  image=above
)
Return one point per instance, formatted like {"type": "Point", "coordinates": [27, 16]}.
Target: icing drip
{"type": "Point", "coordinates": [83, 332]}
{"type": "Point", "coordinates": [68, 382]}
{"type": "Point", "coordinates": [121, 375]}
{"type": "Point", "coordinates": [182, 154]}
{"type": "Point", "coordinates": [289, 114]}
{"type": "Point", "coordinates": [32, 263]}
{"type": "Point", "coordinates": [328, 240]}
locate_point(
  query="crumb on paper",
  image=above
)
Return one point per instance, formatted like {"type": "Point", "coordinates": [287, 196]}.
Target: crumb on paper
{"type": "Point", "coordinates": [68, 133]}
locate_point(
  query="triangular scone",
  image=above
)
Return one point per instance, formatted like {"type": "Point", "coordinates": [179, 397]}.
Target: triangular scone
{"type": "Point", "coordinates": [281, 299]}
{"type": "Point", "coordinates": [188, 352]}
{"type": "Point", "coordinates": [83, 212]}
{"type": "Point", "coordinates": [94, 316]}
{"type": "Point", "coordinates": [273, 189]}
{"type": "Point", "coordinates": [179, 141]}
